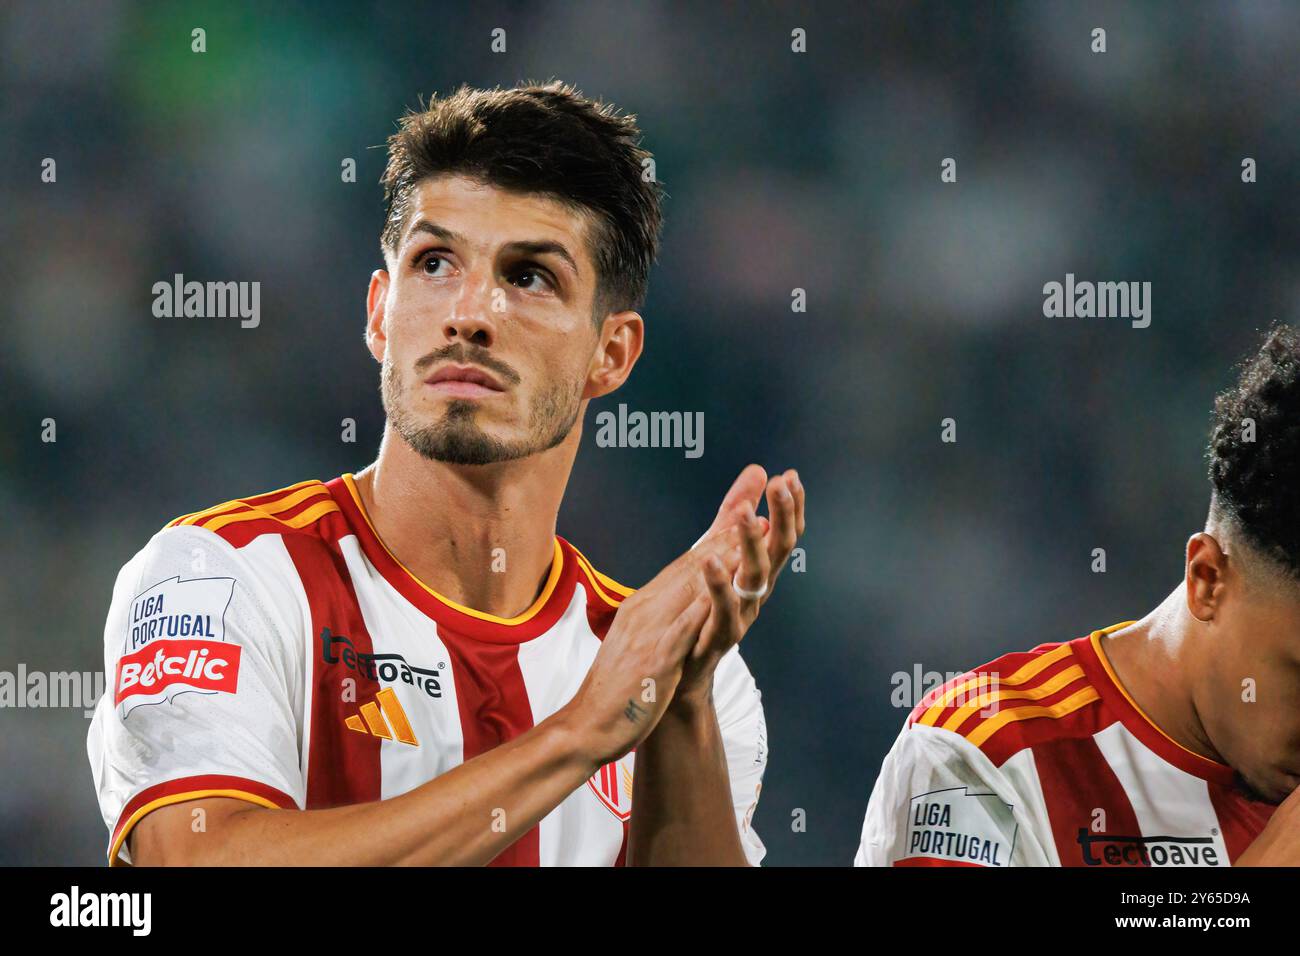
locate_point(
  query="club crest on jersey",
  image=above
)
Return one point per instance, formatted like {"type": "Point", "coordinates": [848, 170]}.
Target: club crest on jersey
{"type": "Point", "coordinates": [612, 784]}
{"type": "Point", "coordinates": [957, 826]}
{"type": "Point", "coordinates": [175, 643]}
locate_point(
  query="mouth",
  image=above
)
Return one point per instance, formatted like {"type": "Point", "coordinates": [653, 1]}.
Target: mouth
{"type": "Point", "coordinates": [463, 381]}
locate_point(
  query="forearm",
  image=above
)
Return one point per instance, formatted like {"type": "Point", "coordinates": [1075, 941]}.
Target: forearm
{"type": "Point", "coordinates": [464, 817]}
{"type": "Point", "coordinates": [682, 814]}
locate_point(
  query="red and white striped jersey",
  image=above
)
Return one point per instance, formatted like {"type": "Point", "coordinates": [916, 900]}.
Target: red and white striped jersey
{"type": "Point", "coordinates": [271, 649]}
{"type": "Point", "coordinates": [1043, 759]}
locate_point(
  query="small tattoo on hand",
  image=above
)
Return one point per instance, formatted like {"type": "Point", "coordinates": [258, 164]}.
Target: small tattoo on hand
{"type": "Point", "coordinates": [634, 711]}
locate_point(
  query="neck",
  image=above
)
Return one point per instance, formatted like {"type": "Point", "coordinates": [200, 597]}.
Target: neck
{"type": "Point", "coordinates": [480, 535]}
{"type": "Point", "coordinates": [1153, 661]}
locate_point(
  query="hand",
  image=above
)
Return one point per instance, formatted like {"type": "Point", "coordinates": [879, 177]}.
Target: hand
{"type": "Point", "coordinates": [765, 548]}
{"type": "Point", "coordinates": [1278, 844]}
{"type": "Point", "coordinates": [639, 664]}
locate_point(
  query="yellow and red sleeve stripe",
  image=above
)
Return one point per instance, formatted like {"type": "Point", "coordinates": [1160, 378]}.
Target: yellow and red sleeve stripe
{"type": "Point", "coordinates": [198, 787]}
{"type": "Point", "coordinates": [308, 501]}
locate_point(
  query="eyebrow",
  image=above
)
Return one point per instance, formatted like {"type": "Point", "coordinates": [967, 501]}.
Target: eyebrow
{"type": "Point", "coordinates": [534, 247]}
{"type": "Point", "coordinates": [437, 231]}
{"type": "Point", "coordinates": [541, 247]}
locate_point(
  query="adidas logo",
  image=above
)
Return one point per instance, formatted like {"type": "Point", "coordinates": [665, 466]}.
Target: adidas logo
{"type": "Point", "coordinates": [384, 717]}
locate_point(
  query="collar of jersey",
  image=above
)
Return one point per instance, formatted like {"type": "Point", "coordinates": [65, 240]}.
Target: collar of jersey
{"type": "Point", "coordinates": [1135, 719]}
{"type": "Point", "coordinates": [532, 622]}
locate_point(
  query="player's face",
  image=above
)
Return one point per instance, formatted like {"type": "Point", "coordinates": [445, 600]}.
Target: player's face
{"type": "Point", "coordinates": [484, 323]}
{"type": "Point", "coordinates": [1252, 704]}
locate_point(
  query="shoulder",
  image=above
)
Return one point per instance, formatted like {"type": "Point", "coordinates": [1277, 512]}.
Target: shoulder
{"type": "Point", "coordinates": [224, 564]}
{"type": "Point", "coordinates": [302, 509]}
{"type": "Point", "coordinates": [230, 537]}
{"type": "Point", "coordinates": [1013, 702]}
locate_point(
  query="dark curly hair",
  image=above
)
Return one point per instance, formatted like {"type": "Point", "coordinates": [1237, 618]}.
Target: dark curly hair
{"type": "Point", "coordinates": [1255, 470]}
{"type": "Point", "coordinates": [545, 139]}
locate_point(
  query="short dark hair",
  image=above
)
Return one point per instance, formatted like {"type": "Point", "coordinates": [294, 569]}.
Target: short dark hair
{"type": "Point", "coordinates": [545, 139]}
{"type": "Point", "coordinates": [1255, 470]}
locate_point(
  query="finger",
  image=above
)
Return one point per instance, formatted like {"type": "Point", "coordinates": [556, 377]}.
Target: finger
{"type": "Point", "coordinates": [752, 575]}
{"type": "Point", "coordinates": [717, 542]}
{"type": "Point", "coordinates": [783, 536]}
{"type": "Point", "coordinates": [685, 568]}
{"type": "Point", "coordinates": [798, 501]}
{"type": "Point", "coordinates": [723, 628]}
{"type": "Point", "coordinates": [674, 588]}
{"type": "Point", "coordinates": [686, 573]}
{"type": "Point", "coordinates": [681, 577]}
{"type": "Point", "coordinates": [685, 629]}
{"type": "Point", "coordinates": [746, 490]}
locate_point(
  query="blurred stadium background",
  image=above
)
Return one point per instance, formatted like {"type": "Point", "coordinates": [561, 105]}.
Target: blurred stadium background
{"type": "Point", "coordinates": [818, 171]}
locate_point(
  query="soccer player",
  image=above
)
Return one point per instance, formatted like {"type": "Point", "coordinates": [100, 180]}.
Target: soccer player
{"type": "Point", "coordinates": [1167, 741]}
{"type": "Point", "coordinates": [408, 665]}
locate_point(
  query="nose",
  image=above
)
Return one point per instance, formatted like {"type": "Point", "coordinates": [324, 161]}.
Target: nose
{"type": "Point", "coordinates": [470, 319]}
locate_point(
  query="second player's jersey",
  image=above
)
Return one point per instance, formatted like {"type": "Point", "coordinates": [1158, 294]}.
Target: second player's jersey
{"type": "Point", "coordinates": [272, 650]}
{"type": "Point", "coordinates": [1042, 759]}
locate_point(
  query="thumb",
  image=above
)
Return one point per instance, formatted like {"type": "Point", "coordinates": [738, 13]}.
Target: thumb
{"type": "Point", "coordinates": [747, 489]}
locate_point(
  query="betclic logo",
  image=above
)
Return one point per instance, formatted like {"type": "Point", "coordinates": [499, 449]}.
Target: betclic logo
{"type": "Point", "coordinates": [160, 667]}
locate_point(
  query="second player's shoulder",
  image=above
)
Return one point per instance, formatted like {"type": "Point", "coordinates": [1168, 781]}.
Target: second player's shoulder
{"type": "Point", "coordinates": [1013, 702]}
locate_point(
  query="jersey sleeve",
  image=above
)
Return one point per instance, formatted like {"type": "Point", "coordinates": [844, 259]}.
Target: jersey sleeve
{"type": "Point", "coordinates": [204, 687]}
{"type": "Point", "coordinates": [939, 801]}
{"type": "Point", "coordinates": [739, 707]}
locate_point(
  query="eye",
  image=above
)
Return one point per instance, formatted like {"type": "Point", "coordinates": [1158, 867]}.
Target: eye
{"type": "Point", "coordinates": [528, 277]}
{"type": "Point", "coordinates": [431, 262]}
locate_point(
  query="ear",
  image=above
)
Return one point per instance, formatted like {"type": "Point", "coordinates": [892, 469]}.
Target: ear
{"type": "Point", "coordinates": [1206, 576]}
{"type": "Point", "coordinates": [621, 339]}
{"type": "Point", "coordinates": [376, 299]}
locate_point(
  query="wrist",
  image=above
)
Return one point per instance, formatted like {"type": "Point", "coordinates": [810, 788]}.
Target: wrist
{"type": "Point", "coordinates": [693, 699]}
{"type": "Point", "coordinates": [575, 739]}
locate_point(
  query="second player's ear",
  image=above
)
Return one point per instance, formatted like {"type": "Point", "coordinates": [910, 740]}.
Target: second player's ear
{"type": "Point", "coordinates": [621, 339]}
{"type": "Point", "coordinates": [1207, 567]}
{"type": "Point", "coordinates": [376, 329]}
